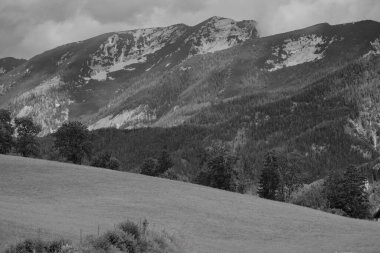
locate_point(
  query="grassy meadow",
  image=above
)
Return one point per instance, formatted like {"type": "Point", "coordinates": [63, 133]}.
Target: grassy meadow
{"type": "Point", "coordinates": [50, 199]}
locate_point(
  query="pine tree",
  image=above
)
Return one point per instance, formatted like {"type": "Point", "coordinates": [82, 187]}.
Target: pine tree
{"type": "Point", "coordinates": [289, 172]}
{"type": "Point", "coordinates": [356, 196]}
{"type": "Point", "coordinates": [269, 180]}
{"type": "Point", "coordinates": [149, 167]}
{"type": "Point", "coordinates": [221, 173]}
{"type": "Point", "coordinates": [164, 162]}
{"type": "Point", "coordinates": [348, 193]}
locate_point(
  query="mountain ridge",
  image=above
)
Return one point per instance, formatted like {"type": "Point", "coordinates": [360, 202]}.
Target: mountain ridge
{"type": "Point", "coordinates": [106, 57]}
{"type": "Point", "coordinates": [158, 76]}
{"type": "Point", "coordinates": [310, 93]}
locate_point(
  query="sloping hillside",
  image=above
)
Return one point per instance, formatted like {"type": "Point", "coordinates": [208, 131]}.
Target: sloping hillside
{"type": "Point", "coordinates": [62, 199]}
{"type": "Point", "coordinates": [162, 77]}
{"type": "Point", "coordinates": [9, 63]}
{"type": "Point", "coordinates": [329, 125]}
{"type": "Point", "coordinates": [76, 80]}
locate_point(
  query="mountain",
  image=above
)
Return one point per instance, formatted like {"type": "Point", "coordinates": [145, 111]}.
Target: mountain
{"type": "Point", "coordinates": [80, 80]}
{"type": "Point", "coordinates": [163, 77]}
{"type": "Point", "coordinates": [9, 63]}
{"type": "Point", "coordinates": [214, 88]}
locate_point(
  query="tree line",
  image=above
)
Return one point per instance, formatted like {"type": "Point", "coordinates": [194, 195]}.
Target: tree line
{"type": "Point", "coordinates": [18, 135]}
{"type": "Point", "coordinates": [342, 193]}
{"type": "Point", "coordinates": [72, 141]}
{"type": "Point", "coordinates": [281, 176]}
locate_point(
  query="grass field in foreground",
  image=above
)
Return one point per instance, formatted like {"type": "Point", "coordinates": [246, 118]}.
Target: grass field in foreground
{"type": "Point", "coordinates": [63, 199]}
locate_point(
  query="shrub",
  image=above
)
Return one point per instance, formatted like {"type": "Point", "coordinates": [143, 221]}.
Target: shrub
{"type": "Point", "coordinates": [157, 167]}
{"type": "Point", "coordinates": [311, 195]}
{"type": "Point", "coordinates": [172, 174]}
{"type": "Point", "coordinates": [114, 164]}
{"type": "Point", "coordinates": [162, 242]}
{"type": "Point", "coordinates": [130, 228]}
{"type": "Point", "coordinates": [121, 240]}
{"type": "Point", "coordinates": [336, 211]}
{"type": "Point", "coordinates": [149, 167]}
{"type": "Point", "coordinates": [39, 246]}
{"type": "Point", "coordinates": [100, 243]}
{"type": "Point", "coordinates": [126, 238]}
{"type": "Point", "coordinates": [129, 238]}
{"type": "Point", "coordinates": [106, 160]}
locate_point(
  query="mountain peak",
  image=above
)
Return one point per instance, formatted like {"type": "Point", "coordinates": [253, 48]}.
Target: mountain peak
{"type": "Point", "coordinates": [113, 80]}
{"type": "Point", "coordinates": [105, 64]}
{"type": "Point", "coordinates": [217, 18]}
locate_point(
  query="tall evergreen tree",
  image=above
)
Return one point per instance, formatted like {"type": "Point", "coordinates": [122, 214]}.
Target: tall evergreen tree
{"type": "Point", "coordinates": [290, 176]}
{"type": "Point", "coordinates": [6, 131]}
{"type": "Point", "coordinates": [221, 173]}
{"type": "Point", "coordinates": [269, 179]}
{"type": "Point", "coordinates": [357, 203]}
{"type": "Point", "coordinates": [164, 162]}
{"type": "Point", "coordinates": [149, 167]}
{"type": "Point", "coordinates": [348, 193]}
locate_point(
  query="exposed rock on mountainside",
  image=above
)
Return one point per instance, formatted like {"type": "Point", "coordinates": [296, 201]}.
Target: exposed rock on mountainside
{"type": "Point", "coordinates": [293, 52]}
{"type": "Point", "coordinates": [312, 93]}
{"type": "Point", "coordinates": [167, 76]}
{"type": "Point", "coordinates": [91, 74]}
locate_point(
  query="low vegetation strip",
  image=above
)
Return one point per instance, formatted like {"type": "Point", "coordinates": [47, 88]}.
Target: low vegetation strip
{"type": "Point", "coordinates": [127, 237]}
{"type": "Point", "coordinates": [63, 199]}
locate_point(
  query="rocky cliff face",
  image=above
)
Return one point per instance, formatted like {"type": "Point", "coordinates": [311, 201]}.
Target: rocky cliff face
{"type": "Point", "coordinates": [77, 80]}
{"type": "Point", "coordinates": [166, 76]}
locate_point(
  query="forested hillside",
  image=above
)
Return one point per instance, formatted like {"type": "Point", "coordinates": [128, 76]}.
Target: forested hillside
{"type": "Point", "coordinates": [325, 126]}
{"type": "Point", "coordinates": [195, 94]}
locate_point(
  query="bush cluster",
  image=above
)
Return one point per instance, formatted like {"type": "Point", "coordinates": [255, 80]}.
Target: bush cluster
{"type": "Point", "coordinates": [39, 246]}
{"type": "Point", "coordinates": [311, 195]}
{"type": "Point", "coordinates": [157, 167]}
{"type": "Point", "coordinates": [106, 160]}
{"type": "Point", "coordinates": [127, 237]}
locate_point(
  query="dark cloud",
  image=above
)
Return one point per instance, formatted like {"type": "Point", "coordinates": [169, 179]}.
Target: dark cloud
{"type": "Point", "coordinates": [28, 27]}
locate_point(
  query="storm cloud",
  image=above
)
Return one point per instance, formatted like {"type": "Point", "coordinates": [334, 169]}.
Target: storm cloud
{"type": "Point", "coordinates": [29, 27]}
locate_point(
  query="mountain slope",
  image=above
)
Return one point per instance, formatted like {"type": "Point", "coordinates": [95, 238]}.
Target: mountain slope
{"type": "Point", "coordinates": [75, 81]}
{"type": "Point", "coordinates": [312, 93]}
{"type": "Point", "coordinates": [164, 76]}
{"type": "Point", "coordinates": [52, 199]}
{"type": "Point", "coordinates": [328, 125]}
{"type": "Point", "coordinates": [281, 63]}
{"type": "Point", "coordinates": [9, 63]}
{"type": "Point", "coordinates": [243, 70]}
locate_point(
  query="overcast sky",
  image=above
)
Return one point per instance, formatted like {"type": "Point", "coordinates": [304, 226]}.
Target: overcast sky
{"type": "Point", "coordinates": [29, 27]}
